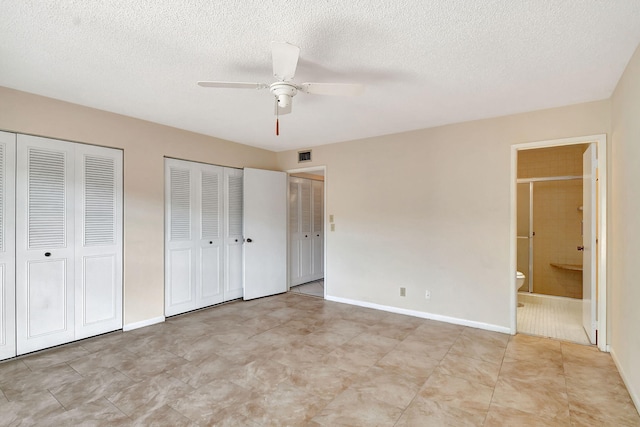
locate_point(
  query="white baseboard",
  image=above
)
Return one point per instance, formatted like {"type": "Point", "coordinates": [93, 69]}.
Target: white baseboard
{"type": "Point", "coordinates": [422, 314]}
{"type": "Point", "coordinates": [142, 323]}
{"type": "Point", "coordinates": [633, 393]}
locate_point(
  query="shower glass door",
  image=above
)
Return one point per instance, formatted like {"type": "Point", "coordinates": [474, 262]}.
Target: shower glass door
{"type": "Point", "coordinates": [525, 234]}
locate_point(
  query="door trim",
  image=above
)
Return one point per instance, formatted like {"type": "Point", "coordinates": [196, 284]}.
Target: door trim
{"type": "Point", "coordinates": [325, 222]}
{"type": "Point", "coordinates": [601, 224]}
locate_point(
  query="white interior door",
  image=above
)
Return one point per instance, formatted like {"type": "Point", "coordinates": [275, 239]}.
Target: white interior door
{"type": "Point", "coordinates": [44, 243]}
{"type": "Point", "coordinates": [305, 238]}
{"type": "Point", "coordinates": [294, 231]}
{"type": "Point", "coordinates": [318, 230]}
{"type": "Point", "coordinates": [180, 241]}
{"type": "Point", "coordinates": [589, 299]}
{"type": "Point", "coordinates": [209, 215]}
{"type": "Point", "coordinates": [233, 227]}
{"type": "Point", "coordinates": [265, 231]}
{"type": "Point", "coordinates": [98, 240]}
{"type": "Point", "coordinates": [7, 246]}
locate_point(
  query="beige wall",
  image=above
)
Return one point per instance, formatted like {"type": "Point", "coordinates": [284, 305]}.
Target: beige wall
{"type": "Point", "coordinates": [625, 226]}
{"type": "Point", "coordinates": [556, 218]}
{"type": "Point", "coordinates": [430, 210]}
{"type": "Point", "coordinates": [145, 144]}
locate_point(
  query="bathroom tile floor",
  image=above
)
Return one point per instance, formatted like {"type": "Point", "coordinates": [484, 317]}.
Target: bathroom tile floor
{"type": "Point", "coordinates": [551, 317]}
{"type": "Point", "coordinates": [293, 360]}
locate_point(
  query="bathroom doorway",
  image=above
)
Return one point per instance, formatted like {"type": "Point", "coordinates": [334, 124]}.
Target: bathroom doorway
{"type": "Point", "coordinates": [548, 227]}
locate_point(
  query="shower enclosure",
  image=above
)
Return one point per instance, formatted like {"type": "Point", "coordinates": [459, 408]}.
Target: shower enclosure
{"type": "Point", "coordinates": [549, 235]}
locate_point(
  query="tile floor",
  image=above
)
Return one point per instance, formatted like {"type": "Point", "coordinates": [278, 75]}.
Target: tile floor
{"type": "Point", "coordinates": [552, 317]}
{"type": "Point", "coordinates": [315, 288]}
{"type": "Point", "coordinates": [294, 360]}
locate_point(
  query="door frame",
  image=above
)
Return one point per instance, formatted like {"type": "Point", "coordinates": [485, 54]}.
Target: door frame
{"type": "Point", "coordinates": [325, 221]}
{"type": "Point", "coordinates": [601, 225]}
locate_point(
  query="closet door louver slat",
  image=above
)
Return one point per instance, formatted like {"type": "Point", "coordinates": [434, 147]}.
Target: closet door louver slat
{"type": "Point", "coordinates": [210, 206]}
{"type": "Point", "coordinates": [235, 205]}
{"type": "Point", "coordinates": [46, 199]}
{"type": "Point", "coordinates": [180, 204]}
{"type": "Point", "coordinates": [99, 201]}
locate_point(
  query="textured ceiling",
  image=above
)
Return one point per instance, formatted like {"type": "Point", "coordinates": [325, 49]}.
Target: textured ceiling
{"type": "Point", "coordinates": [425, 63]}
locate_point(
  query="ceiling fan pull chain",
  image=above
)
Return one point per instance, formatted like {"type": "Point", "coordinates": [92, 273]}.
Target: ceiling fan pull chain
{"type": "Point", "coordinates": [277, 127]}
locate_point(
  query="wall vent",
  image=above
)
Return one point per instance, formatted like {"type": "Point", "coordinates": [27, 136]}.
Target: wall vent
{"type": "Point", "coordinates": [304, 156]}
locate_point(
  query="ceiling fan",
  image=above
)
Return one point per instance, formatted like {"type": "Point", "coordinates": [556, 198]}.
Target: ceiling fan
{"type": "Point", "coordinates": [285, 60]}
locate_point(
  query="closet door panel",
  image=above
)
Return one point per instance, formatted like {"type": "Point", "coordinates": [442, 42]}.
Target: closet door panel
{"type": "Point", "coordinates": [305, 239]}
{"type": "Point", "coordinates": [294, 231]}
{"type": "Point", "coordinates": [210, 245]}
{"type": "Point", "coordinates": [98, 240]}
{"type": "Point", "coordinates": [318, 230]}
{"type": "Point", "coordinates": [233, 219]}
{"type": "Point", "coordinates": [180, 235]}
{"type": "Point", "coordinates": [7, 246]}
{"type": "Point", "coordinates": [44, 243]}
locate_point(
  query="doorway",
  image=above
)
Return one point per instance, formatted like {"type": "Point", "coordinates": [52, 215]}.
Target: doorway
{"type": "Point", "coordinates": [543, 215]}
{"type": "Point", "coordinates": [306, 234]}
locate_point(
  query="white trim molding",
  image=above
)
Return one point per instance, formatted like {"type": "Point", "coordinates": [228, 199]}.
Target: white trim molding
{"type": "Point", "coordinates": [142, 323]}
{"type": "Point", "coordinates": [632, 392]}
{"type": "Point", "coordinates": [421, 314]}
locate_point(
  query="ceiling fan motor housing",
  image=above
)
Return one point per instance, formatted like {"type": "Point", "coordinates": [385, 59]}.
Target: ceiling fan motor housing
{"type": "Point", "coordinates": [284, 92]}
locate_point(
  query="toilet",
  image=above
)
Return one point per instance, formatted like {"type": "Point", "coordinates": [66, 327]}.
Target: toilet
{"type": "Point", "coordinates": [519, 280]}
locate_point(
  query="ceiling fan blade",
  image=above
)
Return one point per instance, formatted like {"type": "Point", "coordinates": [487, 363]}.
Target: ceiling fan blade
{"type": "Point", "coordinates": [234, 85]}
{"type": "Point", "coordinates": [285, 60]}
{"type": "Point", "coordinates": [280, 111]}
{"type": "Point", "coordinates": [338, 89]}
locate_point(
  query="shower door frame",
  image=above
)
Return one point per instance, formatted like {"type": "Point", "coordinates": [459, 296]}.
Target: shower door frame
{"type": "Point", "coordinates": [600, 142]}
{"type": "Point", "coordinates": [532, 233]}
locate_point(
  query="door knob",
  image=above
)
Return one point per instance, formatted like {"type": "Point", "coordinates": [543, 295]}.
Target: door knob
{"type": "Point", "coordinates": [581, 248]}
{"type": "Point", "coordinates": [47, 254]}
{"type": "Point", "coordinates": [249, 240]}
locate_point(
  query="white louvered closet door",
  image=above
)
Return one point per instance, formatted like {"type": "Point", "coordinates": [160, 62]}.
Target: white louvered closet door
{"type": "Point", "coordinates": [181, 232]}
{"type": "Point", "coordinates": [44, 243]}
{"type": "Point", "coordinates": [294, 231]}
{"type": "Point", "coordinates": [98, 240]}
{"type": "Point", "coordinates": [209, 261]}
{"type": "Point", "coordinates": [317, 188]}
{"type": "Point", "coordinates": [305, 235]}
{"type": "Point", "coordinates": [233, 239]}
{"type": "Point", "coordinates": [7, 246]}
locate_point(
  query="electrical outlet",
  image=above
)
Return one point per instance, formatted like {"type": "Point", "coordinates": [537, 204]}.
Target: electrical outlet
{"type": "Point", "coordinates": [427, 294]}
{"type": "Point", "coordinates": [333, 227]}
{"type": "Point", "coordinates": [403, 292]}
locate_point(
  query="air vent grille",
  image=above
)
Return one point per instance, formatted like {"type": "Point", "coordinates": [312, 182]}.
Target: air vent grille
{"type": "Point", "coordinates": [304, 156]}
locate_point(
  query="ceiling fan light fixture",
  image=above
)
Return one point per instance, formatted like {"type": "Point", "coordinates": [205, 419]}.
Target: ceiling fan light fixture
{"type": "Point", "coordinates": [283, 92]}
{"type": "Point", "coordinates": [284, 100]}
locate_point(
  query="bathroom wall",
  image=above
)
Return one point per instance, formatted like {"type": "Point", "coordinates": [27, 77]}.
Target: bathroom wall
{"type": "Point", "coordinates": [556, 218]}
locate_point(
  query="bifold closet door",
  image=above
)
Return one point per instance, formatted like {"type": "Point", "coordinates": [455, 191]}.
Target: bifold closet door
{"type": "Point", "coordinates": [317, 264]}
{"type": "Point", "coordinates": [233, 238]}
{"type": "Point", "coordinates": [194, 249]}
{"type": "Point", "coordinates": [68, 242]}
{"type": "Point", "coordinates": [203, 232]}
{"type": "Point", "coordinates": [7, 246]}
{"type": "Point", "coordinates": [98, 240]}
{"type": "Point", "coordinates": [45, 291]}
{"type": "Point", "coordinates": [306, 234]}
